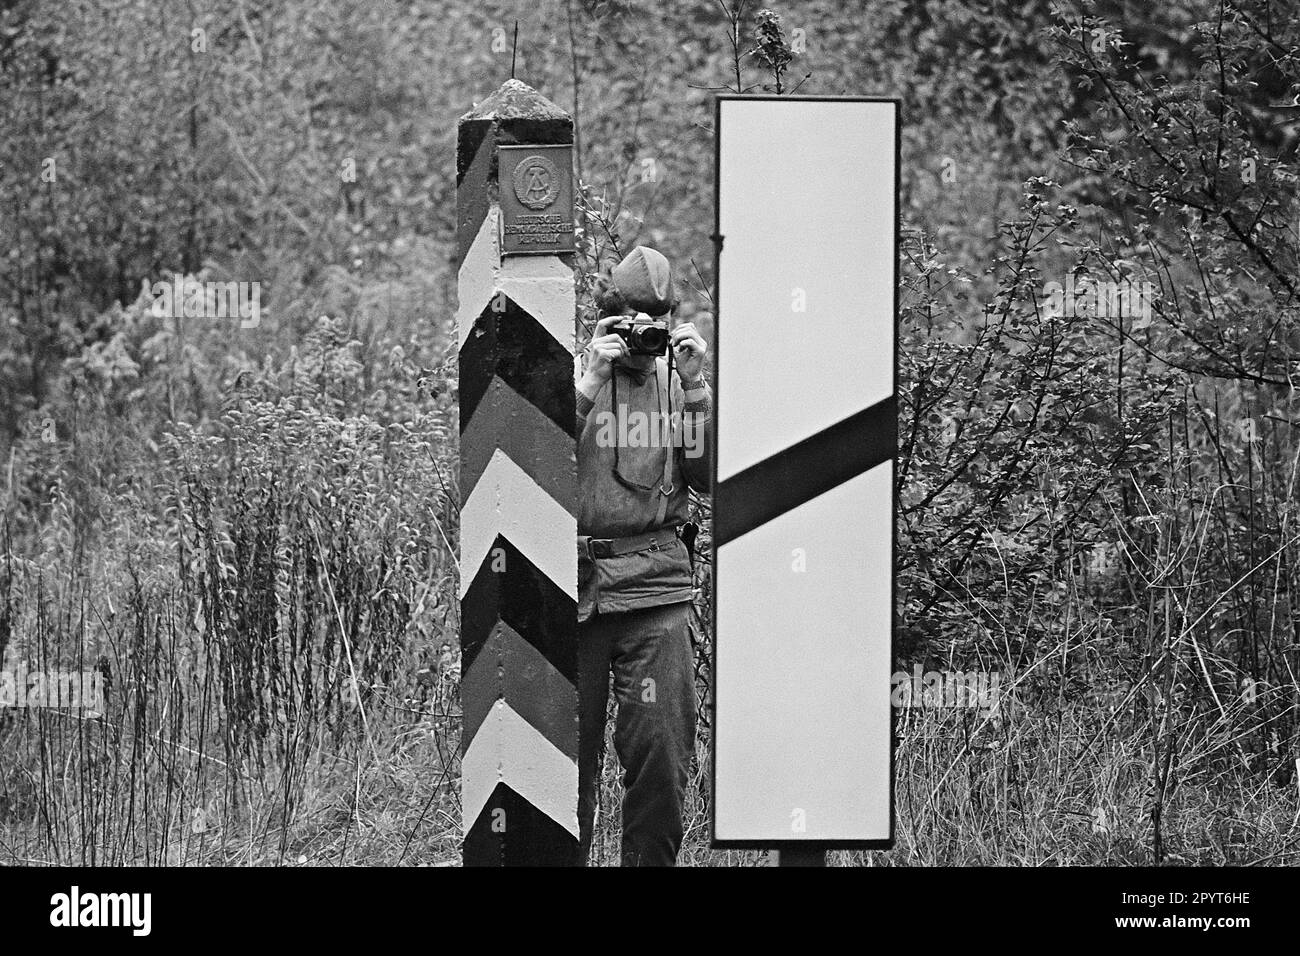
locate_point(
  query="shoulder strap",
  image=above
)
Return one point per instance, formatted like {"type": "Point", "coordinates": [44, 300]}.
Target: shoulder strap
{"type": "Point", "coordinates": [666, 488]}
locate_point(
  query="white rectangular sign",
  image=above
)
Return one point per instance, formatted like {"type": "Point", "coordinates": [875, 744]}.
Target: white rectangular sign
{"type": "Point", "coordinates": [803, 504]}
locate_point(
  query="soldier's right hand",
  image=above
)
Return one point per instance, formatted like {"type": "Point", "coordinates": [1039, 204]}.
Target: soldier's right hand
{"type": "Point", "coordinates": [604, 349]}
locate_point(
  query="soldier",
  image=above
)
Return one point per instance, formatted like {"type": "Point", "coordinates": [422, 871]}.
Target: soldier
{"type": "Point", "coordinates": [635, 551]}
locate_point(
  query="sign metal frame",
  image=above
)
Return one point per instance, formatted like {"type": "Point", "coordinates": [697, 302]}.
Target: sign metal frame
{"type": "Point", "coordinates": [795, 846]}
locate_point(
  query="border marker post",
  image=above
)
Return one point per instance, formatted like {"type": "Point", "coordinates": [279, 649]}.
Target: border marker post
{"type": "Point", "coordinates": [518, 481]}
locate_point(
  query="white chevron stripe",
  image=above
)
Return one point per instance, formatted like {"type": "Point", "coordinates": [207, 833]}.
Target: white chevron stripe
{"type": "Point", "coordinates": [508, 749]}
{"type": "Point", "coordinates": [541, 285]}
{"type": "Point", "coordinates": [476, 280]}
{"type": "Point", "coordinates": [506, 501]}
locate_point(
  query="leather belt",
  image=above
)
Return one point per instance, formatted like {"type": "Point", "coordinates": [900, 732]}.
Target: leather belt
{"type": "Point", "coordinates": [657, 540]}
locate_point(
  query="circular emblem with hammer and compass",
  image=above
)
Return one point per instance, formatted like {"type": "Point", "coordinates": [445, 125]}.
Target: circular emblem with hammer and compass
{"type": "Point", "coordinates": [536, 182]}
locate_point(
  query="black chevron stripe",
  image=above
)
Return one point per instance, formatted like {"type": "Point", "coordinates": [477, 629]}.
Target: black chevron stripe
{"type": "Point", "coordinates": [470, 139]}
{"type": "Point", "coordinates": [527, 600]}
{"type": "Point", "coordinates": [530, 837]}
{"type": "Point", "coordinates": [530, 131]}
{"type": "Point", "coordinates": [514, 346]}
{"type": "Point", "coordinates": [476, 151]}
{"type": "Point", "coordinates": [805, 470]}
{"type": "Point", "coordinates": [509, 668]}
{"type": "Point", "coordinates": [505, 421]}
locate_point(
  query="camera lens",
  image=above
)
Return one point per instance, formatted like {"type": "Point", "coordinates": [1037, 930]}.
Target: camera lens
{"type": "Point", "coordinates": [650, 339]}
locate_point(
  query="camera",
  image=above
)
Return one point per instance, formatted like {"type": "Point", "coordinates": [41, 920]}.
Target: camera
{"type": "Point", "coordinates": [644, 337]}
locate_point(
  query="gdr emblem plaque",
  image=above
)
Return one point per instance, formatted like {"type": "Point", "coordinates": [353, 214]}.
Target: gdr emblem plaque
{"type": "Point", "coordinates": [536, 197]}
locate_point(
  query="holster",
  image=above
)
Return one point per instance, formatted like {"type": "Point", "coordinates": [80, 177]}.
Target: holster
{"type": "Point", "coordinates": [688, 533]}
{"type": "Point", "coordinates": [586, 561]}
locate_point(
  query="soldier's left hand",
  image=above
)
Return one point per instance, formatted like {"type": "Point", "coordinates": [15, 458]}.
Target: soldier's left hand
{"type": "Point", "coordinates": [689, 349]}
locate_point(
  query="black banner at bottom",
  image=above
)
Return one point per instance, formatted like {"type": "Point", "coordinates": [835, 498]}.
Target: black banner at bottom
{"type": "Point", "coordinates": [132, 907]}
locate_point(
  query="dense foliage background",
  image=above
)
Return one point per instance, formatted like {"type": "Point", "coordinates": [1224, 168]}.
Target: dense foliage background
{"type": "Point", "coordinates": [248, 531]}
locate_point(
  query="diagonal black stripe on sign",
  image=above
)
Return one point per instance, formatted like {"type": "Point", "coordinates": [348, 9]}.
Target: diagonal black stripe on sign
{"type": "Point", "coordinates": [527, 600]}
{"type": "Point", "coordinates": [805, 470]}
{"type": "Point", "coordinates": [534, 839]}
{"type": "Point", "coordinates": [514, 346]}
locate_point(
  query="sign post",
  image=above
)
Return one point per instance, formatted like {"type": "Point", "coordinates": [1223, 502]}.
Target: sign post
{"type": "Point", "coordinates": [803, 505]}
{"type": "Point", "coordinates": [518, 482]}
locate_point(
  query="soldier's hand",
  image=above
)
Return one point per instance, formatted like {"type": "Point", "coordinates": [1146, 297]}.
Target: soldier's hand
{"type": "Point", "coordinates": [604, 349]}
{"type": "Point", "coordinates": [689, 349]}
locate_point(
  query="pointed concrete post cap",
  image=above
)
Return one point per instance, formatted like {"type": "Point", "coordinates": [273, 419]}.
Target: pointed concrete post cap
{"type": "Point", "coordinates": [515, 101]}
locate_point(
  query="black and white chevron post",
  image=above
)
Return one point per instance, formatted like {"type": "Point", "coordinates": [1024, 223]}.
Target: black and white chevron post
{"type": "Point", "coordinates": [518, 481]}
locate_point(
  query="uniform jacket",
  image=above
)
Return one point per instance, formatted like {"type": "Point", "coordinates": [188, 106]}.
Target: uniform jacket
{"type": "Point", "coordinates": [658, 571]}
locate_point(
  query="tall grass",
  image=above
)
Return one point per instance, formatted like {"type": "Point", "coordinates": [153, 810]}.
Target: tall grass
{"type": "Point", "coordinates": [272, 610]}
